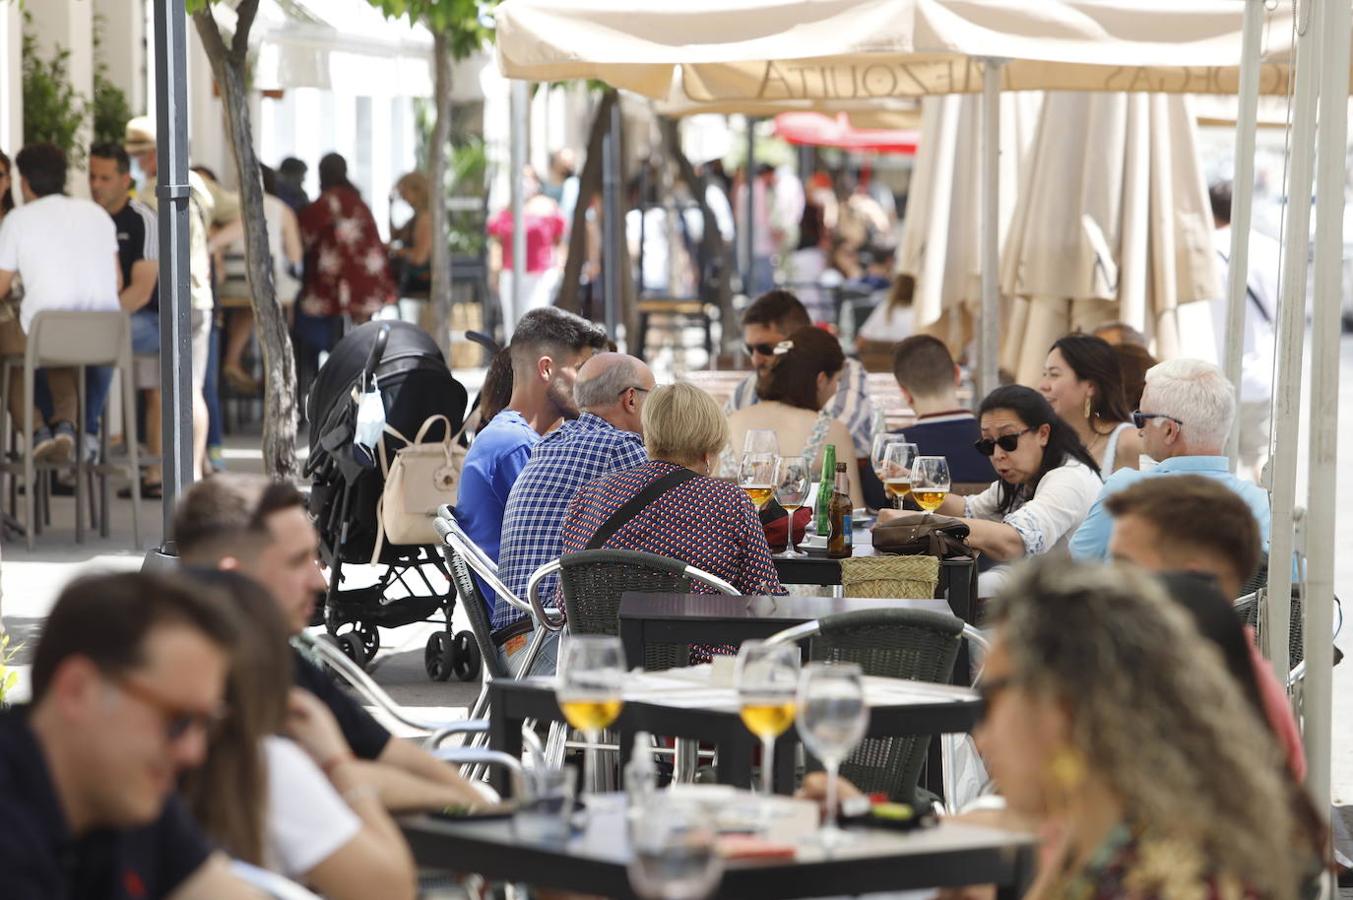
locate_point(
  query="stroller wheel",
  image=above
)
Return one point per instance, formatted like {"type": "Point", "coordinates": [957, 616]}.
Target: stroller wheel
{"type": "Point", "coordinates": [438, 656]}
{"type": "Point", "coordinates": [371, 640]}
{"type": "Point", "coordinates": [465, 657]}
{"type": "Point", "coordinates": [352, 648]}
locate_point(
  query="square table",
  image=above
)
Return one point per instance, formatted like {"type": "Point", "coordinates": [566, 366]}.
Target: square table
{"type": "Point", "coordinates": [683, 703]}
{"type": "Point", "coordinates": [594, 861]}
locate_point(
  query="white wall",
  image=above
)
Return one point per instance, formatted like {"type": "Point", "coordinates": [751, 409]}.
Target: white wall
{"type": "Point", "coordinates": [123, 44]}
{"type": "Point", "coordinates": [11, 78]}
{"type": "Point", "coordinates": [68, 24]}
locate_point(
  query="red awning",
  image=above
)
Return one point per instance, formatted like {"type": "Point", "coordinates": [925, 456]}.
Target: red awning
{"type": "Point", "coordinates": [820, 130]}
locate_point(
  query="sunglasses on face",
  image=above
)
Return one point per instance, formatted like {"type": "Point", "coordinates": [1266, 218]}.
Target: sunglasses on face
{"type": "Point", "coordinates": [1139, 419]}
{"type": "Point", "coordinates": [178, 721]}
{"type": "Point", "coordinates": [763, 349]}
{"type": "Point", "coordinates": [1007, 442]}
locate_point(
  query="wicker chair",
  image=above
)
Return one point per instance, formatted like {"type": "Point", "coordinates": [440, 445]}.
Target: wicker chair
{"type": "Point", "coordinates": [916, 645]}
{"type": "Point", "coordinates": [890, 576]}
{"type": "Point", "coordinates": [593, 581]}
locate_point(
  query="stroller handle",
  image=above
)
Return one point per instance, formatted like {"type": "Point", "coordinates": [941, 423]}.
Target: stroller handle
{"type": "Point", "coordinates": [373, 359]}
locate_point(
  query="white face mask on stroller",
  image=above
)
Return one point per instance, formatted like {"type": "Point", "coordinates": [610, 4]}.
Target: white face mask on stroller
{"type": "Point", "coordinates": [370, 425]}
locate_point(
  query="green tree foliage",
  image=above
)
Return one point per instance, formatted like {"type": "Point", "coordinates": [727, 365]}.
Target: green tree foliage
{"type": "Point", "coordinates": [111, 109]}
{"type": "Point", "coordinates": [53, 111]}
{"type": "Point", "coordinates": [459, 20]}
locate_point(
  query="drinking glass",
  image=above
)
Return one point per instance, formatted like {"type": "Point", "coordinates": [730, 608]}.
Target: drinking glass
{"type": "Point", "coordinates": [757, 477]}
{"type": "Point", "coordinates": [877, 448]}
{"type": "Point", "coordinates": [832, 718]}
{"type": "Point", "coordinates": [674, 856]}
{"type": "Point", "coordinates": [588, 688]}
{"type": "Point", "coordinates": [929, 482]}
{"type": "Point", "coordinates": [793, 475]}
{"type": "Point", "coordinates": [760, 440]}
{"type": "Point", "coordinates": [767, 678]}
{"type": "Point", "coordinates": [898, 458]}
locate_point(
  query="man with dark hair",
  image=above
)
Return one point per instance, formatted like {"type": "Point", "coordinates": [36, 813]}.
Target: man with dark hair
{"type": "Point", "coordinates": [1261, 298]}
{"type": "Point", "coordinates": [260, 527]}
{"type": "Point", "coordinates": [772, 318]}
{"type": "Point", "coordinates": [128, 680]}
{"type": "Point", "coordinates": [1188, 523]}
{"type": "Point", "coordinates": [291, 183]}
{"type": "Point", "coordinates": [65, 250]}
{"type": "Point", "coordinates": [548, 347]}
{"type": "Point", "coordinates": [928, 379]}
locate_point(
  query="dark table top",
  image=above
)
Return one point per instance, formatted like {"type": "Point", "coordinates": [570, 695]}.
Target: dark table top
{"type": "Point", "coordinates": [789, 610]}
{"type": "Point", "coordinates": [595, 860]}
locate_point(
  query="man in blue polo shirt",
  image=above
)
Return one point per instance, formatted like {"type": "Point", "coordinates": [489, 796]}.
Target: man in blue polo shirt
{"type": "Point", "coordinates": [128, 678]}
{"type": "Point", "coordinates": [1187, 410]}
{"type": "Point", "coordinates": [548, 347]}
{"type": "Point", "coordinates": [928, 378]}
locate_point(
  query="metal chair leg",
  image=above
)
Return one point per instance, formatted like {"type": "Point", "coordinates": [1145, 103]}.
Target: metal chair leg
{"type": "Point", "coordinates": [686, 761]}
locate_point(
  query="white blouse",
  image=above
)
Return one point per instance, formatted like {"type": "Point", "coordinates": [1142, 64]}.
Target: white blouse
{"type": "Point", "coordinates": [1047, 520]}
{"type": "Point", "coordinates": [306, 820]}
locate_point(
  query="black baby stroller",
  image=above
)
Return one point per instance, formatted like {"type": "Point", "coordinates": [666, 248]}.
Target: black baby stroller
{"type": "Point", "coordinates": [346, 488]}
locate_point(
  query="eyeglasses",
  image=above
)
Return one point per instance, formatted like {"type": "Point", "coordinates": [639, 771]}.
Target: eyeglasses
{"type": "Point", "coordinates": [177, 720]}
{"type": "Point", "coordinates": [1139, 419]}
{"type": "Point", "coordinates": [763, 349]}
{"type": "Point", "coordinates": [1007, 442]}
{"type": "Point", "coordinates": [635, 387]}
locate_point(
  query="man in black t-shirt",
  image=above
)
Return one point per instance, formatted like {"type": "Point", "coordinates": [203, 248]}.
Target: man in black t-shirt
{"type": "Point", "coordinates": [261, 528]}
{"type": "Point", "coordinates": [127, 679]}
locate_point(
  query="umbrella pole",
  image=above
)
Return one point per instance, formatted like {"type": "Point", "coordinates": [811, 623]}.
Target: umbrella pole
{"type": "Point", "coordinates": [176, 384]}
{"type": "Point", "coordinates": [1317, 707]}
{"type": "Point", "coordinates": [1242, 196]}
{"type": "Point", "coordinates": [1291, 332]}
{"type": "Point", "coordinates": [989, 330]}
{"type": "Point", "coordinates": [613, 229]}
{"type": "Point", "coordinates": [749, 211]}
{"type": "Point", "coordinates": [518, 101]}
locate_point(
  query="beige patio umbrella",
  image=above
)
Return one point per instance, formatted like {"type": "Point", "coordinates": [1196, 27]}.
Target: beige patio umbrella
{"type": "Point", "coordinates": [1112, 223]}
{"type": "Point", "coordinates": [940, 245]}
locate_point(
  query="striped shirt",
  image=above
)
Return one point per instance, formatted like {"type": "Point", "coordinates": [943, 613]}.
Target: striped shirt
{"type": "Point", "coordinates": [584, 449]}
{"type": "Point", "coordinates": [703, 522]}
{"type": "Point", "coordinates": [851, 404]}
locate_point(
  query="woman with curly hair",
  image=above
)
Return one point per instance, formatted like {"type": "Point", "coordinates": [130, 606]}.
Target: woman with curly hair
{"type": "Point", "coordinates": [1109, 719]}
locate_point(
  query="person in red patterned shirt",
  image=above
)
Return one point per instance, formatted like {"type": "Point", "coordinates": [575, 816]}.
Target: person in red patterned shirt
{"type": "Point", "coordinates": [704, 522]}
{"type": "Point", "coordinates": [346, 270]}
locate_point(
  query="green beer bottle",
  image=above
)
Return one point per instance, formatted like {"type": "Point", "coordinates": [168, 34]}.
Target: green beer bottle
{"type": "Point", "coordinates": [825, 486]}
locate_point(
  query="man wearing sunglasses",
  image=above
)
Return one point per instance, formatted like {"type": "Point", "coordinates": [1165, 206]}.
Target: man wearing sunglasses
{"type": "Point", "coordinates": [772, 318]}
{"type": "Point", "coordinates": [128, 680]}
{"type": "Point", "coordinates": [1187, 411]}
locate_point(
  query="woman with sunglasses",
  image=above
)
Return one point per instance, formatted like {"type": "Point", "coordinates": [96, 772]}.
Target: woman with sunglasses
{"type": "Point", "coordinates": [1047, 482]}
{"type": "Point", "coordinates": [1083, 381]}
{"type": "Point", "coordinates": [1134, 747]}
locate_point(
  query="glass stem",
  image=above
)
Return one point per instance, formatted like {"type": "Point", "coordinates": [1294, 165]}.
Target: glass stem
{"type": "Point", "coordinates": [830, 821]}
{"type": "Point", "coordinates": [768, 765]}
{"type": "Point", "coordinates": [590, 760]}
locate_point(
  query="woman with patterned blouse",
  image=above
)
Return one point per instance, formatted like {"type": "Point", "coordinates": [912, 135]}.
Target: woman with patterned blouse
{"type": "Point", "coordinates": [704, 522]}
{"type": "Point", "coordinates": [1110, 720]}
{"type": "Point", "coordinates": [346, 269]}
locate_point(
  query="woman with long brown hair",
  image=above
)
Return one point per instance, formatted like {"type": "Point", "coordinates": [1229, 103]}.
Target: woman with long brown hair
{"type": "Point", "coordinates": [301, 808]}
{"type": "Point", "coordinates": [1083, 380]}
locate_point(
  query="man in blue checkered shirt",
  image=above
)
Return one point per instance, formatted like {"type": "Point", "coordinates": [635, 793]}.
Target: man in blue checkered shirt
{"type": "Point", "coordinates": [606, 438]}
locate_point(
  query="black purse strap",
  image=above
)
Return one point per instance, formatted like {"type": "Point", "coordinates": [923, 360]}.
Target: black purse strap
{"type": "Point", "coordinates": [656, 488]}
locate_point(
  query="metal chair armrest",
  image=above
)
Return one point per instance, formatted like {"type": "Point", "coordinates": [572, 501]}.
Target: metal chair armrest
{"type": "Point", "coordinates": [467, 726]}
{"type": "Point", "coordinates": [467, 757]}
{"type": "Point", "coordinates": [975, 637]}
{"type": "Point", "coordinates": [550, 619]}
{"type": "Point", "coordinates": [713, 581]}
{"type": "Point", "coordinates": [795, 633]}
{"type": "Point", "coordinates": [454, 536]}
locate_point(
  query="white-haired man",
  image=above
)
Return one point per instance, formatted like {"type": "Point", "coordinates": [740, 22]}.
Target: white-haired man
{"type": "Point", "coordinates": [1187, 410]}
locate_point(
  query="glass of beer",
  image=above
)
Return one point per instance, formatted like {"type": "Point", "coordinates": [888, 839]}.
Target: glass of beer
{"type": "Point", "coordinates": [898, 458]}
{"type": "Point", "coordinates": [767, 679]}
{"type": "Point", "coordinates": [757, 477]}
{"type": "Point", "coordinates": [761, 441]}
{"type": "Point", "coordinates": [929, 482]}
{"type": "Point", "coordinates": [793, 475]}
{"type": "Point", "coordinates": [588, 688]}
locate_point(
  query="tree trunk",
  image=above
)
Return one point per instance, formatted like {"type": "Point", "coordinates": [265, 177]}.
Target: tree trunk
{"type": "Point", "coordinates": [712, 244]}
{"type": "Point", "coordinates": [279, 391]}
{"type": "Point", "coordinates": [589, 185]}
{"type": "Point", "coordinates": [440, 294]}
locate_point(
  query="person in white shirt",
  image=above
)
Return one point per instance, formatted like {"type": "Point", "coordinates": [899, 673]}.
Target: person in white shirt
{"type": "Point", "coordinates": [65, 250]}
{"type": "Point", "coordinates": [1256, 367]}
{"type": "Point", "coordinates": [1047, 483]}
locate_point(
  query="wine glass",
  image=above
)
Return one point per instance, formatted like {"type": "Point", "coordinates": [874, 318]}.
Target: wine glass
{"type": "Point", "coordinates": [760, 441]}
{"type": "Point", "coordinates": [898, 459]}
{"type": "Point", "coordinates": [588, 688]}
{"type": "Point", "coordinates": [793, 474]}
{"type": "Point", "coordinates": [767, 678]}
{"type": "Point", "coordinates": [674, 853]}
{"type": "Point", "coordinates": [757, 477]}
{"type": "Point", "coordinates": [832, 718]}
{"type": "Point", "coordinates": [877, 447]}
{"type": "Point", "coordinates": [929, 482]}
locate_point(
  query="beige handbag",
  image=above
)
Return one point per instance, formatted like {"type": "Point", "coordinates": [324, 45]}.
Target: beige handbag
{"type": "Point", "coordinates": [421, 478]}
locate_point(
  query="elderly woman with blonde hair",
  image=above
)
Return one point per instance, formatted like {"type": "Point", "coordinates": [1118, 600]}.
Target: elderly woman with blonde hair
{"type": "Point", "coordinates": [411, 245]}
{"type": "Point", "coordinates": [1110, 719]}
{"type": "Point", "coordinates": [670, 506]}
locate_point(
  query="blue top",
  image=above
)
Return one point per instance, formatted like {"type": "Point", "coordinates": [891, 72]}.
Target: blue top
{"type": "Point", "coordinates": [952, 435]}
{"type": "Point", "coordinates": [496, 458]}
{"type": "Point", "coordinates": [1091, 540]}
{"type": "Point", "coordinates": [583, 450]}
